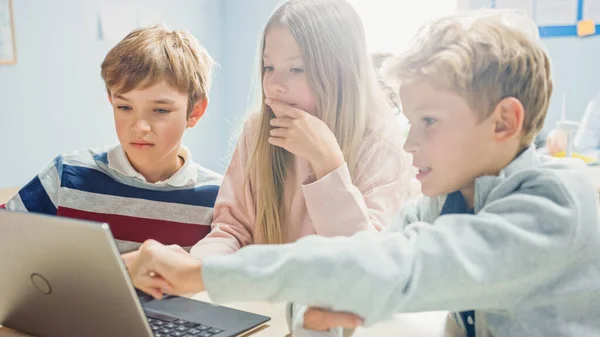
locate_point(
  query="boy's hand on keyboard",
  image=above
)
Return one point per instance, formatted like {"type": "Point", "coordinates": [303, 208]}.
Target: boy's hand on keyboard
{"type": "Point", "coordinates": [322, 320]}
{"type": "Point", "coordinates": [159, 269]}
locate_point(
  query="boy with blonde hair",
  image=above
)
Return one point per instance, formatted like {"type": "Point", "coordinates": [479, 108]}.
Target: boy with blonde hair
{"type": "Point", "coordinates": [505, 239]}
{"type": "Point", "coordinates": [147, 186]}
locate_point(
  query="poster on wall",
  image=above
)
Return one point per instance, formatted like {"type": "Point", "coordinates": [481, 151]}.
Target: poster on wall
{"type": "Point", "coordinates": [8, 50]}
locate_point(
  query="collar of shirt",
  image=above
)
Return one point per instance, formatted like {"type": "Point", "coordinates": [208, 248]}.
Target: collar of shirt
{"type": "Point", "coordinates": [118, 161]}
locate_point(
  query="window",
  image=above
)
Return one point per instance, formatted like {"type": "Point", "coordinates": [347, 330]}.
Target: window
{"type": "Point", "coordinates": [390, 24]}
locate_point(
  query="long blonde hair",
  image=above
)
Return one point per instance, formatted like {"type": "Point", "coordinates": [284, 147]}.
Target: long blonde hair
{"type": "Point", "coordinates": [331, 38]}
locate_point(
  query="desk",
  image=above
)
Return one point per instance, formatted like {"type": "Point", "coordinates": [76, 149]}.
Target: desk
{"type": "Point", "coordinates": [430, 324]}
{"type": "Point", "coordinates": [7, 193]}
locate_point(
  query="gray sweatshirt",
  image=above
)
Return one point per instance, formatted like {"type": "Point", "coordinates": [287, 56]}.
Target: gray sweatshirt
{"type": "Point", "coordinates": [526, 261]}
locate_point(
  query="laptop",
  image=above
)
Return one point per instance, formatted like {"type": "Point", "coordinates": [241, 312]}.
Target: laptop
{"type": "Point", "coordinates": [61, 277]}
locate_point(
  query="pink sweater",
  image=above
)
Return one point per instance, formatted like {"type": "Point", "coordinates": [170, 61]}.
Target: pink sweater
{"type": "Point", "coordinates": [334, 205]}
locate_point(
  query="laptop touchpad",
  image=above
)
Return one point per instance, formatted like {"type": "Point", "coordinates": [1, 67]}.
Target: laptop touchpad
{"type": "Point", "coordinates": [176, 305]}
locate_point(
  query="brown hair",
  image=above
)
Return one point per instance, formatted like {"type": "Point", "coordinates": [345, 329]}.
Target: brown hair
{"type": "Point", "coordinates": [147, 56]}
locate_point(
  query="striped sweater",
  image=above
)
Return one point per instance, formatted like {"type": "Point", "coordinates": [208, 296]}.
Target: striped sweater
{"type": "Point", "coordinates": [102, 186]}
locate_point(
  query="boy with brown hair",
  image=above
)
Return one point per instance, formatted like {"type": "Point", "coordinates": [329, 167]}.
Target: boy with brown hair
{"type": "Point", "coordinates": [146, 187]}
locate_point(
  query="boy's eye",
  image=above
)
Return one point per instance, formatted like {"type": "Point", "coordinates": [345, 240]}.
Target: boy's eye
{"type": "Point", "coordinates": [162, 111]}
{"type": "Point", "coordinates": [267, 69]}
{"type": "Point", "coordinates": [429, 121]}
{"type": "Point", "coordinates": [123, 107]}
{"type": "Point", "coordinates": [297, 70]}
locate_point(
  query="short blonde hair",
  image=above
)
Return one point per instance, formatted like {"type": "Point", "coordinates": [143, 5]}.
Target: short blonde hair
{"type": "Point", "coordinates": [484, 56]}
{"type": "Point", "coordinates": [147, 56]}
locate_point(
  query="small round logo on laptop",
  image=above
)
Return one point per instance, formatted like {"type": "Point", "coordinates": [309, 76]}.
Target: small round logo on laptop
{"type": "Point", "coordinates": [41, 284]}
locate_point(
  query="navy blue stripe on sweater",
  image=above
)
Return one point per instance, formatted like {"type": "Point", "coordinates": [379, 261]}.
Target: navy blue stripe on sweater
{"type": "Point", "coordinates": [36, 199]}
{"type": "Point", "coordinates": [94, 181]}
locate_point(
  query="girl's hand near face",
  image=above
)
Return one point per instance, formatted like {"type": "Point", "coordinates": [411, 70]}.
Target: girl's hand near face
{"type": "Point", "coordinates": [305, 136]}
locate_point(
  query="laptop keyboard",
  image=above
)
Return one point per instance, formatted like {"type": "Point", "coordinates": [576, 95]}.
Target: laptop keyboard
{"type": "Point", "coordinates": [180, 328]}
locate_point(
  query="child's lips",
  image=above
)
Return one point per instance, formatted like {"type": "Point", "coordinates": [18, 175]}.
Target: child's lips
{"type": "Point", "coordinates": [141, 145]}
{"type": "Point", "coordinates": [282, 101]}
{"type": "Point", "coordinates": [423, 173]}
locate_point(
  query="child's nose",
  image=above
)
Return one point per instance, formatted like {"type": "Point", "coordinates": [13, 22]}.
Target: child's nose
{"type": "Point", "coordinates": [141, 126]}
{"type": "Point", "coordinates": [410, 145]}
{"type": "Point", "coordinates": [277, 86]}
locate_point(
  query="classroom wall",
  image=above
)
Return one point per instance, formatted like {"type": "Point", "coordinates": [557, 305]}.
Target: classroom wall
{"type": "Point", "coordinates": [54, 99]}
{"type": "Point", "coordinates": [242, 27]}
{"type": "Point", "coordinates": [576, 72]}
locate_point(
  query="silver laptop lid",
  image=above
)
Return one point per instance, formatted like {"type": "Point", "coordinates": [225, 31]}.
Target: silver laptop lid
{"type": "Point", "coordinates": [63, 278]}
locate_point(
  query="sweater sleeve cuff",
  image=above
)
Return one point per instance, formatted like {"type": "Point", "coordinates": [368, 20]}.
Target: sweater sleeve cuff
{"type": "Point", "coordinates": [328, 187]}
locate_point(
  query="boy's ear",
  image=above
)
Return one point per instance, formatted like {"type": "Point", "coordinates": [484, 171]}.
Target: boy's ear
{"type": "Point", "coordinates": [197, 112]}
{"type": "Point", "coordinates": [508, 117]}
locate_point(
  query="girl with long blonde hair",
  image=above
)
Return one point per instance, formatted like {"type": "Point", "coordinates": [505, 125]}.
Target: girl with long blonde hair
{"type": "Point", "coordinates": [324, 154]}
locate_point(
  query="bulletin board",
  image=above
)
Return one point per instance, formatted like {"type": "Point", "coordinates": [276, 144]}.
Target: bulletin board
{"type": "Point", "coordinates": [557, 18]}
